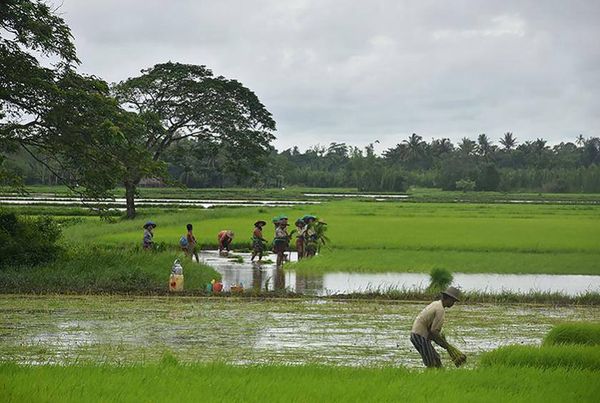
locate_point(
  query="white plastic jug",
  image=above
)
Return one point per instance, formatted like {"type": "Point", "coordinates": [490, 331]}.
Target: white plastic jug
{"type": "Point", "coordinates": [177, 268]}
{"type": "Point", "coordinates": [176, 278]}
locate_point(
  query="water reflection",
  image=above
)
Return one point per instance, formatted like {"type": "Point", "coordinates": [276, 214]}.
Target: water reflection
{"type": "Point", "coordinates": [266, 276]}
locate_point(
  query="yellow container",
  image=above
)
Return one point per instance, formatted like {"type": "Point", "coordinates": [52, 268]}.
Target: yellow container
{"type": "Point", "coordinates": [176, 282]}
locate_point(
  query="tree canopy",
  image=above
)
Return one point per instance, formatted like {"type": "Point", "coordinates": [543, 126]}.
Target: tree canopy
{"type": "Point", "coordinates": [189, 103]}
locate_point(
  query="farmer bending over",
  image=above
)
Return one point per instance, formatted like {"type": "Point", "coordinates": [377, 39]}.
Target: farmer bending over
{"type": "Point", "coordinates": [428, 326]}
{"type": "Point", "coordinates": [224, 237]}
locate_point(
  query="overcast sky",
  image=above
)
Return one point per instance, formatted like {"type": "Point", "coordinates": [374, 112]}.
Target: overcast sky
{"type": "Point", "coordinates": [360, 71]}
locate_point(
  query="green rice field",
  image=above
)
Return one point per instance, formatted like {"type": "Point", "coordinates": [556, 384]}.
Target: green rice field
{"type": "Point", "coordinates": [397, 236]}
{"type": "Point", "coordinates": [224, 383]}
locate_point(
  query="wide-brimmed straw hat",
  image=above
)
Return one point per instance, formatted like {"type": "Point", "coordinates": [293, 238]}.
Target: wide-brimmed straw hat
{"type": "Point", "coordinates": [150, 223]}
{"type": "Point", "coordinates": [260, 222]}
{"type": "Point", "coordinates": [452, 292]}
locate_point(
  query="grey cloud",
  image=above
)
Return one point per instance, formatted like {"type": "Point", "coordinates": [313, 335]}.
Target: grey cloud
{"type": "Point", "coordinates": [335, 70]}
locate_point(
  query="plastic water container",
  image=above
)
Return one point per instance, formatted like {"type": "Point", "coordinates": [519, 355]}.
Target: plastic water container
{"type": "Point", "coordinates": [177, 268]}
{"type": "Point", "coordinates": [176, 278]}
{"type": "Point", "coordinates": [176, 282]}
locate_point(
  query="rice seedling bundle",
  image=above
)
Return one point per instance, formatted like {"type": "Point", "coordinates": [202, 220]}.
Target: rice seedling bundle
{"type": "Point", "coordinates": [457, 356]}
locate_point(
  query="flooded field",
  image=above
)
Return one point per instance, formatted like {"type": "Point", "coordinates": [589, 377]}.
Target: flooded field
{"type": "Point", "coordinates": [48, 200]}
{"type": "Point", "coordinates": [116, 329]}
{"type": "Point", "coordinates": [265, 276]}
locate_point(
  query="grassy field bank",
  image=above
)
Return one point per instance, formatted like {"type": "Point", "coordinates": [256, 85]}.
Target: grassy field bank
{"type": "Point", "coordinates": [366, 236]}
{"type": "Point", "coordinates": [90, 269]}
{"type": "Point", "coordinates": [395, 236]}
{"type": "Point", "coordinates": [218, 382]}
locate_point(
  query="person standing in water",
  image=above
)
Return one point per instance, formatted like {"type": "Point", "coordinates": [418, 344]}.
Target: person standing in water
{"type": "Point", "coordinates": [300, 230]}
{"type": "Point", "coordinates": [258, 242]}
{"type": "Point", "coordinates": [281, 242]}
{"type": "Point", "coordinates": [148, 241]}
{"type": "Point", "coordinates": [428, 327]}
{"type": "Point", "coordinates": [191, 249]}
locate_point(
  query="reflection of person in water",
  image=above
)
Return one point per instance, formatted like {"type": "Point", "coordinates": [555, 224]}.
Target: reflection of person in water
{"type": "Point", "coordinates": [279, 280]}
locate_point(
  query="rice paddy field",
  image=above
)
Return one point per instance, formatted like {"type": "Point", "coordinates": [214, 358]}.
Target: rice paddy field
{"type": "Point", "coordinates": [371, 236]}
{"type": "Point", "coordinates": [79, 329]}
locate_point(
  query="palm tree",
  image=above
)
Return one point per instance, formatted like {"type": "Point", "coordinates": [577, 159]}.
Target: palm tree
{"type": "Point", "coordinates": [580, 140]}
{"type": "Point", "coordinates": [484, 145]}
{"type": "Point", "coordinates": [414, 148]}
{"type": "Point", "coordinates": [466, 146]}
{"type": "Point", "coordinates": [508, 141]}
{"type": "Point", "coordinates": [441, 146]}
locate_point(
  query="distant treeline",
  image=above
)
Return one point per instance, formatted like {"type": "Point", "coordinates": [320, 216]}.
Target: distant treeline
{"type": "Point", "coordinates": [469, 165]}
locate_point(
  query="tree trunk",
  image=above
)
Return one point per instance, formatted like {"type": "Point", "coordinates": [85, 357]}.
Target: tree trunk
{"type": "Point", "coordinates": [130, 187]}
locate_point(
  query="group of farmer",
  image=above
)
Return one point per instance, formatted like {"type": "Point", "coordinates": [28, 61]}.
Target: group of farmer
{"type": "Point", "coordinates": [305, 233]}
{"type": "Point", "coordinates": [427, 327]}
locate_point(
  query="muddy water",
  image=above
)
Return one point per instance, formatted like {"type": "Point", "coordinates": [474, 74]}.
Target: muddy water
{"type": "Point", "coordinates": [66, 329]}
{"type": "Point", "coordinates": [266, 276]}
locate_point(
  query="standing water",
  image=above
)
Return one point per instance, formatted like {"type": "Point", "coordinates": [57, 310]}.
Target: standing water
{"type": "Point", "coordinates": [266, 276]}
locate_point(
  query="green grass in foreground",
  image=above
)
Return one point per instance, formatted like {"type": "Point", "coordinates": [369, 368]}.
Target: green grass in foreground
{"type": "Point", "coordinates": [574, 333]}
{"type": "Point", "coordinates": [223, 383]}
{"type": "Point", "coordinates": [96, 270]}
{"type": "Point", "coordinates": [567, 356]}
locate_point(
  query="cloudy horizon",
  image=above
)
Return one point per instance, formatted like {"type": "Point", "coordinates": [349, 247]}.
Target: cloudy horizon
{"type": "Point", "coordinates": [335, 71]}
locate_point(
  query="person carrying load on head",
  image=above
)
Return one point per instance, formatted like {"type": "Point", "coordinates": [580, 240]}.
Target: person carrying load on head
{"type": "Point", "coordinates": [428, 326]}
{"type": "Point", "coordinates": [148, 240]}
{"type": "Point", "coordinates": [281, 241]}
{"type": "Point", "coordinates": [188, 243]}
{"type": "Point", "coordinates": [225, 237]}
{"type": "Point", "coordinates": [258, 242]}
{"type": "Point", "coordinates": [300, 232]}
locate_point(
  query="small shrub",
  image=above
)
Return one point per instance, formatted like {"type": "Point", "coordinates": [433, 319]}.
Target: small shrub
{"type": "Point", "coordinates": [465, 185]}
{"type": "Point", "coordinates": [574, 333]}
{"type": "Point", "coordinates": [167, 359]}
{"type": "Point", "coordinates": [439, 279]}
{"type": "Point", "coordinates": [27, 241]}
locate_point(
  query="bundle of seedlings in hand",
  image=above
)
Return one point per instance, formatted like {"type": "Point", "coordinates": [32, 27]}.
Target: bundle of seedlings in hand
{"type": "Point", "coordinates": [457, 356]}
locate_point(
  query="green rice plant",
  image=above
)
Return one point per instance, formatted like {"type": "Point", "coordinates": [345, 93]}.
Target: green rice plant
{"type": "Point", "coordinates": [574, 333]}
{"type": "Point", "coordinates": [439, 279]}
{"type": "Point", "coordinates": [566, 356]}
{"type": "Point", "coordinates": [276, 383]}
{"type": "Point", "coordinates": [236, 258]}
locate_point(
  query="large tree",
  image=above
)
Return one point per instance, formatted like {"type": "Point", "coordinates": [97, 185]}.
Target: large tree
{"type": "Point", "coordinates": [28, 29]}
{"type": "Point", "coordinates": [66, 122]}
{"type": "Point", "coordinates": [189, 102]}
